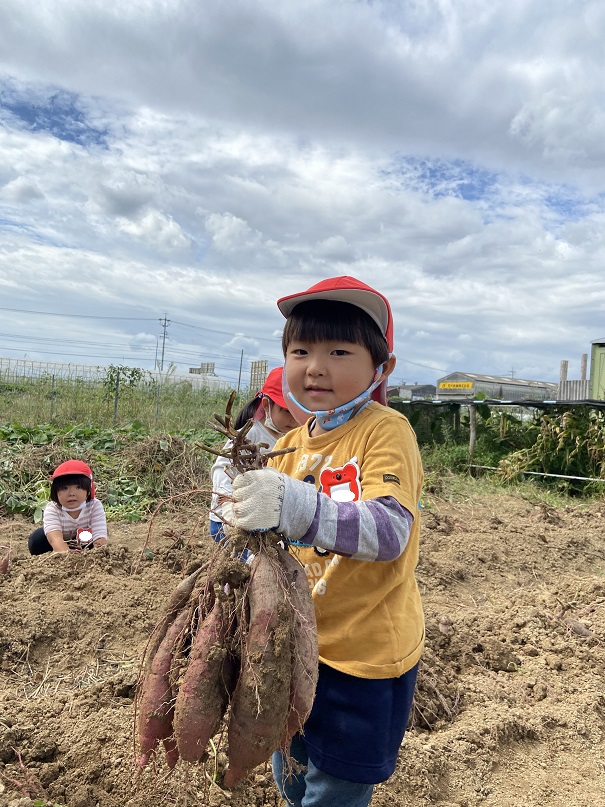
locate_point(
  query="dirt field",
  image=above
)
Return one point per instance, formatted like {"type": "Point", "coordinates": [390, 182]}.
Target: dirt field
{"type": "Point", "coordinates": [510, 708]}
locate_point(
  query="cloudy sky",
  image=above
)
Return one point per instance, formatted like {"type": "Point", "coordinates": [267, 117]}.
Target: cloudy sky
{"type": "Point", "coordinates": [188, 162]}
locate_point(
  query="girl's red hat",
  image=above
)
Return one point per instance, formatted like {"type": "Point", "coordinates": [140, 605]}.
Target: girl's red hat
{"type": "Point", "coordinates": [346, 289]}
{"type": "Point", "coordinates": [77, 467]}
{"type": "Point", "coordinates": [272, 387]}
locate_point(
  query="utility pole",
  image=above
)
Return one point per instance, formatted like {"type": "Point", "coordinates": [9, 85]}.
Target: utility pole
{"type": "Point", "coordinates": [239, 380]}
{"type": "Point", "coordinates": [164, 323]}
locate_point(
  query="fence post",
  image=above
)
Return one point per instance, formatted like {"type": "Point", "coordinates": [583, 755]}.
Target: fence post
{"type": "Point", "coordinates": [456, 419]}
{"type": "Point", "coordinates": [115, 398]}
{"type": "Point", "coordinates": [52, 398]}
{"type": "Point", "coordinates": [158, 389]}
{"type": "Point", "coordinates": [472, 418]}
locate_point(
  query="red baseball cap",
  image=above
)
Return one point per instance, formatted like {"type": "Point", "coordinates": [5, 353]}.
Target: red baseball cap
{"type": "Point", "coordinates": [346, 289]}
{"type": "Point", "coordinates": [272, 387]}
{"type": "Point", "coordinates": [78, 467]}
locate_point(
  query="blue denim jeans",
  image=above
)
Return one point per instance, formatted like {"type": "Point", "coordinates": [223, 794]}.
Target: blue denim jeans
{"type": "Point", "coordinates": [216, 530]}
{"type": "Point", "coordinates": [314, 788]}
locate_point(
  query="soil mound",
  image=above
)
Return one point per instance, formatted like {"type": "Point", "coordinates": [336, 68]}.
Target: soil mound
{"type": "Point", "coordinates": [510, 707]}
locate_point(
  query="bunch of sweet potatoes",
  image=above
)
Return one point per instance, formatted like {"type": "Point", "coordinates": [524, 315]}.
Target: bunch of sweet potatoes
{"type": "Point", "coordinates": [235, 650]}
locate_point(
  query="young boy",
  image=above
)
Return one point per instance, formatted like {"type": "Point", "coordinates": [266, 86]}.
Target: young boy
{"type": "Point", "coordinates": [348, 496]}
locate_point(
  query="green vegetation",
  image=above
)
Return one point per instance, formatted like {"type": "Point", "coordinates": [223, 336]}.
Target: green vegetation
{"type": "Point", "coordinates": [134, 468]}
{"type": "Point", "coordinates": [567, 442]}
{"type": "Point", "coordinates": [122, 396]}
{"type": "Point", "coordinates": [137, 463]}
{"type": "Point", "coordinates": [563, 442]}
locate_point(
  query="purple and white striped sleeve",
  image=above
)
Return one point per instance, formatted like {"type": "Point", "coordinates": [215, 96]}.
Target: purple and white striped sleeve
{"type": "Point", "coordinates": [377, 529]}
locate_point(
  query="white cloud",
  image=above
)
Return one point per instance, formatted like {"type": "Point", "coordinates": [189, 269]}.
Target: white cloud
{"type": "Point", "coordinates": [230, 233]}
{"type": "Point", "coordinates": [199, 161]}
{"type": "Point", "coordinates": [21, 191]}
{"type": "Point", "coordinates": [156, 229]}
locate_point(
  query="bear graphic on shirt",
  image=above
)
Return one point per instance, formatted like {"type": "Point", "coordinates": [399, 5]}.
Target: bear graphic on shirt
{"type": "Point", "coordinates": [342, 484]}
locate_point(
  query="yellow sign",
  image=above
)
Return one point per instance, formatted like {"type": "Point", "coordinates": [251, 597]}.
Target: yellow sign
{"type": "Point", "coordinates": [456, 385]}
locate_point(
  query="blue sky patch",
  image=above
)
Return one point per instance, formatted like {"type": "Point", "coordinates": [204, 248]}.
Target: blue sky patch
{"type": "Point", "coordinates": [568, 205]}
{"type": "Point", "coordinates": [59, 113]}
{"type": "Point", "coordinates": [31, 231]}
{"type": "Point", "coordinates": [497, 193]}
{"type": "Point", "coordinates": [440, 178]}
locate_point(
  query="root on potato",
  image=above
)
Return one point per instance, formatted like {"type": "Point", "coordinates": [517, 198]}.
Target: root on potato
{"type": "Point", "coordinates": [305, 651]}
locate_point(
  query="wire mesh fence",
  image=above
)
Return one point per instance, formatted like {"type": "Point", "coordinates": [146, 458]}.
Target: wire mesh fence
{"type": "Point", "coordinates": [106, 396]}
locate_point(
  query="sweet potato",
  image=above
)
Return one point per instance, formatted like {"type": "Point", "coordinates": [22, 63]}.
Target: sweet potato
{"type": "Point", "coordinates": [207, 684]}
{"type": "Point", "coordinates": [155, 704]}
{"type": "Point", "coordinates": [259, 708]}
{"type": "Point", "coordinates": [177, 601]}
{"type": "Point", "coordinates": [304, 645]}
{"type": "Point", "coordinates": [172, 751]}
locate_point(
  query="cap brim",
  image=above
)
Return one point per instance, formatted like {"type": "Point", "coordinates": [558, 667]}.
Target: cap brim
{"type": "Point", "coordinates": [369, 302]}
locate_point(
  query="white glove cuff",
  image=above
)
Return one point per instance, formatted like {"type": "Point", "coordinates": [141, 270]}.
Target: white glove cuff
{"type": "Point", "coordinates": [298, 509]}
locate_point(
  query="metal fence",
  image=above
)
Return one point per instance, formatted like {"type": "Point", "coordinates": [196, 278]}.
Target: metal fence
{"type": "Point", "coordinates": [573, 390]}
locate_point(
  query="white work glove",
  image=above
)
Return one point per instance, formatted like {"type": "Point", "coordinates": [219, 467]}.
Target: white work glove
{"type": "Point", "coordinates": [258, 497]}
{"type": "Point", "coordinates": [266, 499]}
{"type": "Point", "coordinates": [227, 516]}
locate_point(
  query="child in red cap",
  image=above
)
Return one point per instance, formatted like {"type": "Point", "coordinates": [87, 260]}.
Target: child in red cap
{"type": "Point", "coordinates": [346, 499]}
{"type": "Point", "coordinates": [271, 421]}
{"type": "Point", "coordinates": [74, 519]}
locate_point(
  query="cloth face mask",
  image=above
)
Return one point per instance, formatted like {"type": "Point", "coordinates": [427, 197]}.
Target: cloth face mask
{"type": "Point", "coordinates": [329, 419]}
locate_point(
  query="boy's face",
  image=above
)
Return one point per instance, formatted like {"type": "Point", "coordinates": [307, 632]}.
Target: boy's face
{"type": "Point", "coordinates": [324, 375]}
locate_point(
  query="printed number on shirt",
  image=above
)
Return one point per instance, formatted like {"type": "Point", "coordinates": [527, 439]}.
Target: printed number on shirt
{"type": "Point", "coordinates": [309, 462]}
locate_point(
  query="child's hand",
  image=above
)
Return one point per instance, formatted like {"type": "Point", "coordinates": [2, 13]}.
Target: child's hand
{"type": "Point", "coordinates": [265, 500]}
{"type": "Point", "coordinates": [258, 497]}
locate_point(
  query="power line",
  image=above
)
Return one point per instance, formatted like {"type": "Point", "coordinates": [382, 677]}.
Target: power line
{"type": "Point", "coordinates": [176, 352]}
{"type": "Point", "coordinates": [184, 325]}
{"type": "Point", "coordinates": [142, 351]}
{"type": "Point", "coordinates": [138, 319]}
{"type": "Point", "coordinates": [426, 366]}
{"type": "Point", "coordinates": [80, 316]}
{"type": "Point", "coordinates": [82, 355]}
{"type": "Point", "coordinates": [26, 339]}
{"type": "Point", "coordinates": [134, 353]}
{"type": "Point", "coordinates": [228, 333]}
